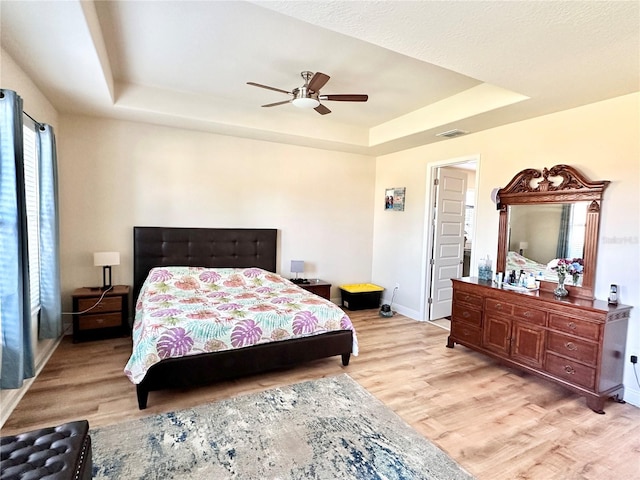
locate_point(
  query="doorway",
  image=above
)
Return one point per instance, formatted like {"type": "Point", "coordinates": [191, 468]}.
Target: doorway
{"type": "Point", "coordinates": [451, 198]}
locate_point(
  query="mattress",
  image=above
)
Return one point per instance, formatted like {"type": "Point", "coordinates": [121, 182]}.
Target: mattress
{"type": "Point", "coordinates": [183, 311]}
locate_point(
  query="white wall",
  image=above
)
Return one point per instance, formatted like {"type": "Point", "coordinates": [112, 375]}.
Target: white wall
{"type": "Point", "coordinates": [116, 174]}
{"type": "Point", "coordinates": [602, 140]}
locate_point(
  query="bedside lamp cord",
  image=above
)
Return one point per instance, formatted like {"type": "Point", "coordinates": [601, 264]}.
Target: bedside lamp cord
{"type": "Point", "coordinates": [92, 306]}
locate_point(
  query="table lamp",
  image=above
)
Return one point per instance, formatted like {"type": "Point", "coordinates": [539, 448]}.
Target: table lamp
{"type": "Point", "coordinates": [297, 266]}
{"type": "Point", "coordinates": [523, 247]}
{"type": "Point", "coordinates": [106, 260]}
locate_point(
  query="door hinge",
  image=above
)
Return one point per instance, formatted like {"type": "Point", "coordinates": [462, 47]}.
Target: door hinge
{"type": "Point", "coordinates": [429, 300]}
{"type": "Point", "coordinates": [432, 261]}
{"type": "Point", "coordinates": [436, 181]}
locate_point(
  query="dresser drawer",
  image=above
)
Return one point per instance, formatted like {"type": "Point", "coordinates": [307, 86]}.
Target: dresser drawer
{"type": "Point", "coordinates": [463, 313]}
{"type": "Point", "coordinates": [570, 371]}
{"type": "Point", "coordinates": [537, 317]}
{"type": "Point", "coordinates": [106, 320]}
{"type": "Point", "coordinates": [494, 305]}
{"type": "Point", "coordinates": [574, 326]}
{"type": "Point", "coordinates": [466, 333]}
{"type": "Point", "coordinates": [107, 304]}
{"type": "Point", "coordinates": [469, 298]}
{"type": "Point", "coordinates": [572, 347]}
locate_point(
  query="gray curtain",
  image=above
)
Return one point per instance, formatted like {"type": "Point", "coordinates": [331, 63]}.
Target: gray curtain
{"type": "Point", "coordinates": [50, 305]}
{"type": "Point", "coordinates": [15, 314]}
{"type": "Point", "coordinates": [563, 236]}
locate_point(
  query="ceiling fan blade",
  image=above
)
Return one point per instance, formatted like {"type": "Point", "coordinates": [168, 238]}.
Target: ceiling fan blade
{"type": "Point", "coordinates": [322, 110]}
{"type": "Point", "coordinates": [268, 88]}
{"type": "Point", "coordinates": [345, 98]}
{"type": "Point", "coordinates": [276, 104]}
{"type": "Point", "coordinates": [318, 81]}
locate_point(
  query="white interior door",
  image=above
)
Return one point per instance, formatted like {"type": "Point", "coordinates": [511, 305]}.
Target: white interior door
{"type": "Point", "coordinates": [448, 241]}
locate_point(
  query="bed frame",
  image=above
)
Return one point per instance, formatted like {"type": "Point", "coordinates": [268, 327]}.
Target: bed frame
{"type": "Point", "coordinates": [221, 247]}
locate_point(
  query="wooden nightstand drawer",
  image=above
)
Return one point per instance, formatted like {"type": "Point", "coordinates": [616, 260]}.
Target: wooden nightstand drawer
{"type": "Point", "coordinates": [99, 314]}
{"type": "Point", "coordinates": [107, 304]}
{"type": "Point", "coordinates": [106, 320]}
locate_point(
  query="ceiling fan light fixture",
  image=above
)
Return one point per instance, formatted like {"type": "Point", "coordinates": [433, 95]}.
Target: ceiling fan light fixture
{"type": "Point", "coordinates": [308, 95]}
{"type": "Point", "coordinates": [305, 102]}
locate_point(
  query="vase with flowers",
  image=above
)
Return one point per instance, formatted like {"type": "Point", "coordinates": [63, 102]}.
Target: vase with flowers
{"type": "Point", "coordinates": [564, 267]}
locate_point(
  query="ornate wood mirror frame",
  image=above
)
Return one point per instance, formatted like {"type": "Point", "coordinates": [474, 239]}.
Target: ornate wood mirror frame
{"type": "Point", "coordinates": [526, 189]}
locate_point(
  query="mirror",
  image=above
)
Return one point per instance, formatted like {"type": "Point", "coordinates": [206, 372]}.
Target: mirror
{"type": "Point", "coordinates": [539, 233]}
{"type": "Point", "coordinates": [549, 214]}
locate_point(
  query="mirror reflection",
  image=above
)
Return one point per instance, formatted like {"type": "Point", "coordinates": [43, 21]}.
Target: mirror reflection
{"type": "Point", "coordinates": [540, 233]}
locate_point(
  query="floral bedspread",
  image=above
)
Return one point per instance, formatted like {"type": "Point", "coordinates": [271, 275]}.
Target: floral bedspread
{"type": "Point", "coordinates": [517, 262]}
{"type": "Point", "coordinates": [190, 310]}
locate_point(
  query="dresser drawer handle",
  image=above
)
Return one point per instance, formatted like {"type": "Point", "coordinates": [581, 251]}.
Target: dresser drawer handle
{"type": "Point", "coordinates": [569, 369]}
{"type": "Point", "coordinates": [467, 297]}
{"type": "Point", "coordinates": [528, 314]}
{"type": "Point", "coordinates": [498, 306]}
{"type": "Point", "coordinates": [571, 346]}
{"type": "Point", "coordinates": [571, 325]}
{"type": "Point", "coordinates": [466, 314]}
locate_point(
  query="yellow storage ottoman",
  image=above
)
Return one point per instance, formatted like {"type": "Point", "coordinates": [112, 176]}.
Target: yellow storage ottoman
{"type": "Point", "coordinates": [360, 296]}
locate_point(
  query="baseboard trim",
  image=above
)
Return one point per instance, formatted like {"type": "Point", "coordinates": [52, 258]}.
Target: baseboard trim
{"type": "Point", "coordinates": [632, 396]}
{"type": "Point", "coordinates": [10, 398]}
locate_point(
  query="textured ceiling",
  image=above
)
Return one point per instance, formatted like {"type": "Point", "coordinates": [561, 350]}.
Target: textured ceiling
{"type": "Point", "coordinates": [427, 66]}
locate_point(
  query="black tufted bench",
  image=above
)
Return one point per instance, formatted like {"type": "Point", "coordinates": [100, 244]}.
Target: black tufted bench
{"type": "Point", "coordinates": [55, 453]}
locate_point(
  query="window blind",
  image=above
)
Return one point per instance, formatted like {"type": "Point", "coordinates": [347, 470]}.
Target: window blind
{"type": "Point", "coordinates": [30, 149]}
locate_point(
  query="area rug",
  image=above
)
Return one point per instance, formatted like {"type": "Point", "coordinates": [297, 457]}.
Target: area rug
{"type": "Point", "coordinates": [330, 428]}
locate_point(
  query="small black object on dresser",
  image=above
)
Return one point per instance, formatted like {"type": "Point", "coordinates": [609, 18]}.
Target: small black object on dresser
{"type": "Point", "coordinates": [96, 316]}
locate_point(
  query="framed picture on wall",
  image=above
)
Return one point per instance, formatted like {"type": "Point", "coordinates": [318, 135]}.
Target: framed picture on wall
{"type": "Point", "coordinates": [394, 199]}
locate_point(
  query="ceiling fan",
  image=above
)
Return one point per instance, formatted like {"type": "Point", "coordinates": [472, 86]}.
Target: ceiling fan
{"type": "Point", "coordinates": [308, 95]}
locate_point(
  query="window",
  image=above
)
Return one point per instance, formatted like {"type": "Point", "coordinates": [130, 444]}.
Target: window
{"type": "Point", "coordinates": [577, 230]}
{"type": "Point", "coordinates": [32, 194]}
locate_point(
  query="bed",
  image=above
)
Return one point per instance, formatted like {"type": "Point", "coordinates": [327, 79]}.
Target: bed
{"type": "Point", "coordinates": [518, 262]}
{"type": "Point", "coordinates": [237, 256]}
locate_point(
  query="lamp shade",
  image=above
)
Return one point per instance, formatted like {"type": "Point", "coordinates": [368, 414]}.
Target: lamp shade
{"type": "Point", "coordinates": [102, 259]}
{"type": "Point", "coordinates": [305, 102]}
{"type": "Point", "coordinates": [297, 266]}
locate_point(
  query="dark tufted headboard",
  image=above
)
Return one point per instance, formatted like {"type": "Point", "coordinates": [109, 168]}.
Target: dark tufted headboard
{"type": "Point", "coordinates": [201, 247]}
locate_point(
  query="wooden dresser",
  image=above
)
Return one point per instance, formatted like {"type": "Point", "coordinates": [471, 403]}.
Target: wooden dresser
{"type": "Point", "coordinates": [577, 343]}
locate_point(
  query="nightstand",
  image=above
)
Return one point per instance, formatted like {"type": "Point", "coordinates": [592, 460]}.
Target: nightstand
{"type": "Point", "coordinates": [108, 318]}
{"type": "Point", "coordinates": [317, 286]}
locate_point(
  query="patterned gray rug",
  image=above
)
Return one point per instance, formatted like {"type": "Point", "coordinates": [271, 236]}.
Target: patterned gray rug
{"type": "Point", "coordinates": [323, 429]}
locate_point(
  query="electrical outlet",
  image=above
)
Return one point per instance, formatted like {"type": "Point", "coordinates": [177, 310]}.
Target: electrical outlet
{"type": "Point", "coordinates": [634, 359]}
{"type": "Point", "coordinates": [397, 286]}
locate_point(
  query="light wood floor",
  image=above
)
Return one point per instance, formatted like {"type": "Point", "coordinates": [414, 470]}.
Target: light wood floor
{"type": "Point", "coordinates": [496, 422]}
